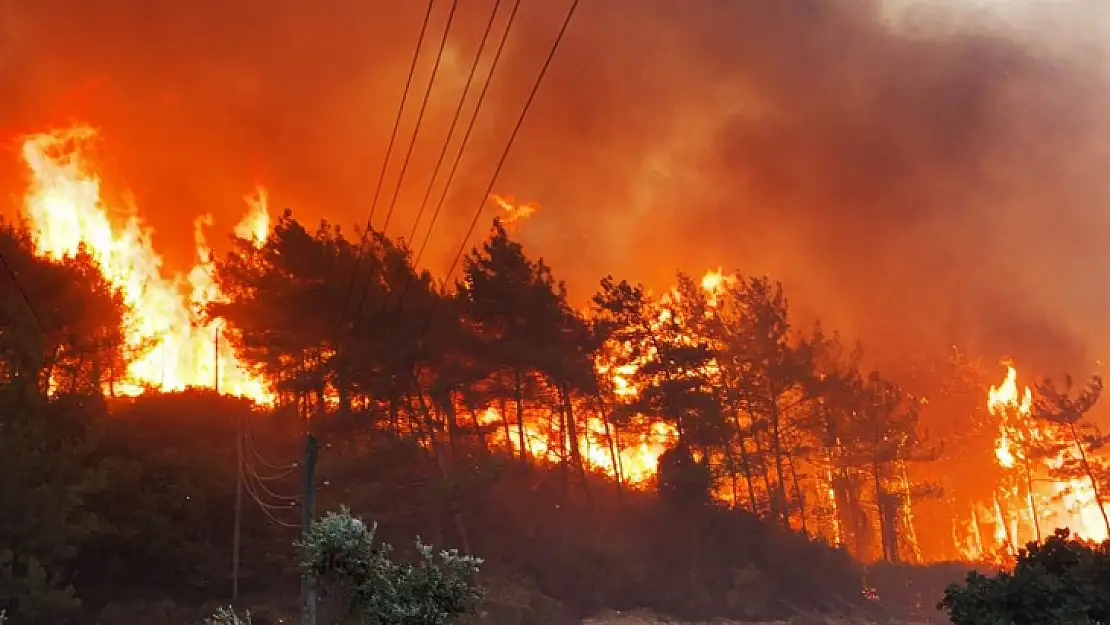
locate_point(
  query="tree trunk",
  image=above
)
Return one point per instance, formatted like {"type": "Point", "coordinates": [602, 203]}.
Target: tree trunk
{"type": "Point", "coordinates": [394, 422]}
{"type": "Point", "coordinates": [573, 438]}
{"type": "Point", "coordinates": [1028, 471]}
{"type": "Point", "coordinates": [613, 456]}
{"type": "Point", "coordinates": [503, 412]}
{"type": "Point", "coordinates": [564, 457]}
{"type": "Point", "coordinates": [518, 396]}
{"type": "Point", "coordinates": [780, 468]}
{"type": "Point", "coordinates": [889, 550]}
{"type": "Point", "coordinates": [75, 375]}
{"type": "Point", "coordinates": [745, 461]}
{"type": "Point", "coordinates": [452, 424]}
{"type": "Point", "coordinates": [478, 430]}
{"type": "Point", "coordinates": [1091, 475]}
{"type": "Point", "coordinates": [342, 386]}
{"type": "Point", "coordinates": [765, 473]}
{"type": "Point", "coordinates": [429, 424]}
{"type": "Point", "coordinates": [798, 496]}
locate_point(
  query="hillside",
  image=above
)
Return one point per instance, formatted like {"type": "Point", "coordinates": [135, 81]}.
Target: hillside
{"type": "Point", "coordinates": [557, 549]}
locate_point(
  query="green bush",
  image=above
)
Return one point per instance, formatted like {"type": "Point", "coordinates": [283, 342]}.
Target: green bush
{"type": "Point", "coordinates": [226, 616]}
{"type": "Point", "coordinates": [340, 548]}
{"type": "Point", "coordinates": [439, 587]}
{"type": "Point", "coordinates": [1063, 581]}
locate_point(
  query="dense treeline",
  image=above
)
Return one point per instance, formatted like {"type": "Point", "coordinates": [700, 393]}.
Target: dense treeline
{"type": "Point", "coordinates": [488, 413]}
{"type": "Point", "coordinates": [765, 417]}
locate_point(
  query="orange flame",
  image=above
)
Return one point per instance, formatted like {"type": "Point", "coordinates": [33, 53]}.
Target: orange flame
{"type": "Point", "coordinates": [66, 212]}
{"type": "Point", "coordinates": [1029, 501]}
{"type": "Point", "coordinates": [513, 212]}
{"type": "Point", "coordinates": [636, 460]}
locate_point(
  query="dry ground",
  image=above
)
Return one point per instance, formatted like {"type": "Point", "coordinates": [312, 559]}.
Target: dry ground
{"type": "Point", "coordinates": [648, 618]}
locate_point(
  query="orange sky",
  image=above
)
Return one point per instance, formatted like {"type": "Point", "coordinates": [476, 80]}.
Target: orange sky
{"type": "Point", "coordinates": [946, 186]}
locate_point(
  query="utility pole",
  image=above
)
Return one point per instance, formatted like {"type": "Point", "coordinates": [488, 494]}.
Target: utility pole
{"type": "Point", "coordinates": [236, 535]}
{"type": "Point", "coordinates": [236, 539]}
{"type": "Point", "coordinates": [308, 515]}
{"type": "Point", "coordinates": [216, 364]}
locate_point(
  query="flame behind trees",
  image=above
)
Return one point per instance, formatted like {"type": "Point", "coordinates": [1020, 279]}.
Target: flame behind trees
{"type": "Point", "coordinates": [758, 416]}
{"type": "Point", "coordinates": [766, 416]}
{"type": "Point", "coordinates": [1051, 470]}
{"type": "Point", "coordinates": [1081, 460]}
{"type": "Point", "coordinates": [167, 341]}
{"type": "Point", "coordinates": [74, 340]}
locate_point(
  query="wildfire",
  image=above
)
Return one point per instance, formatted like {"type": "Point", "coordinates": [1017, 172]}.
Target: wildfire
{"type": "Point", "coordinates": [1030, 500]}
{"type": "Point", "coordinates": [1014, 409]}
{"type": "Point", "coordinates": [511, 211]}
{"type": "Point", "coordinates": [179, 347]}
{"type": "Point", "coordinates": [634, 458]}
{"type": "Point", "coordinates": [631, 456]}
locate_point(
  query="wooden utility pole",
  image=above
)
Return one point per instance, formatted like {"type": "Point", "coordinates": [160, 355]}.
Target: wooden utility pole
{"type": "Point", "coordinates": [240, 433]}
{"type": "Point", "coordinates": [308, 515]}
{"type": "Point", "coordinates": [216, 362]}
{"type": "Point", "coordinates": [236, 535]}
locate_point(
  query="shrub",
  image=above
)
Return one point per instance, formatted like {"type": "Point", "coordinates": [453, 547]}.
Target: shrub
{"type": "Point", "coordinates": [1063, 581]}
{"type": "Point", "coordinates": [438, 588]}
{"type": "Point", "coordinates": [226, 616]}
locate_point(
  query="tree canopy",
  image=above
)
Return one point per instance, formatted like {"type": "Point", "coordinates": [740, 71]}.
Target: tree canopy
{"type": "Point", "coordinates": [506, 417]}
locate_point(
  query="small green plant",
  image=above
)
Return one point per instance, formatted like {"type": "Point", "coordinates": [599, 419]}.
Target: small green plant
{"type": "Point", "coordinates": [1063, 581]}
{"type": "Point", "coordinates": [436, 589]}
{"type": "Point", "coordinates": [223, 616]}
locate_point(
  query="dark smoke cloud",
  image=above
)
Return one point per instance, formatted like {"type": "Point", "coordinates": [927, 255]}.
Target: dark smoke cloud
{"type": "Point", "coordinates": [927, 176]}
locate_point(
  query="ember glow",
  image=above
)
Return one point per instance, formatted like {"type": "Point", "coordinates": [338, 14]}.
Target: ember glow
{"type": "Point", "coordinates": [511, 212]}
{"type": "Point", "coordinates": [178, 348]}
{"type": "Point", "coordinates": [634, 457]}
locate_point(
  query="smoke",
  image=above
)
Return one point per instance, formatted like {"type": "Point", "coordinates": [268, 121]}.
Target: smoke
{"type": "Point", "coordinates": [917, 173]}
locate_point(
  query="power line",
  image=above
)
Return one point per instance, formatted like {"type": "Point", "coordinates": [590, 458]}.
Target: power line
{"type": "Point", "coordinates": [253, 490]}
{"type": "Point", "coordinates": [466, 135]}
{"type": "Point", "coordinates": [504, 154]}
{"type": "Point", "coordinates": [420, 114]}
{"type": "Point", "coordinates": [250, 455]}
{"type": "Point", "coordinates": [285, 468]}
{"type": "Point", "coordinates": [457, 115]}
{"type": "Point", "coordinates": [512, 138]}
{"type": "Point", "coordinates": [462, 144]}
{"type": "Point", "coordinates": [268, 510]}
{"type": "Point", "coordinates": [408, 154]}
{"type": "Point", "coordinates": [385, 164]}
{"type": "Point", "coordinates": [23, 293]}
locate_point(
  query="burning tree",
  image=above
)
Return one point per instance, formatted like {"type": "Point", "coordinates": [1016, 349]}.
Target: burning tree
{"type": "Point", "coordinates": [1081, 461]}
{"type": "Point", "coordinates": [74, 339]}
{"type": "Point", "coordinates": [515, 304]}
{"type": "Point", "coordinates": [1019, 448]}
{"type": "Point", "coordinates": [1051, 471]}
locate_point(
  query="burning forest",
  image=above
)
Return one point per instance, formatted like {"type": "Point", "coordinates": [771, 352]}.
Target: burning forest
{"type": "Point", "coordinates": [709, 379]}
{"type": "Point", "coordinates": [750, 306]}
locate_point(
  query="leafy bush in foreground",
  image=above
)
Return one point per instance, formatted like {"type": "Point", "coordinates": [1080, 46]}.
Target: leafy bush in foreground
{"type": "Point", "coordinates": [439, 587]}
{"type": "Point", "coordinates": [225, 616]}
{"type": "Point", "coordinates": [340, 548]}
{"type": "Point", "coordinates": [1063, 581]}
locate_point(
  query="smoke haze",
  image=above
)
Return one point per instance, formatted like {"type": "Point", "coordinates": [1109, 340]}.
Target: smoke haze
{"type": "Point", "coordinates": [915, 172]}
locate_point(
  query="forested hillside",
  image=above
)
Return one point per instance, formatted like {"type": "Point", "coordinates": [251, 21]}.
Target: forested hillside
{"type": "Point", "coordinates": [691, 453]}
